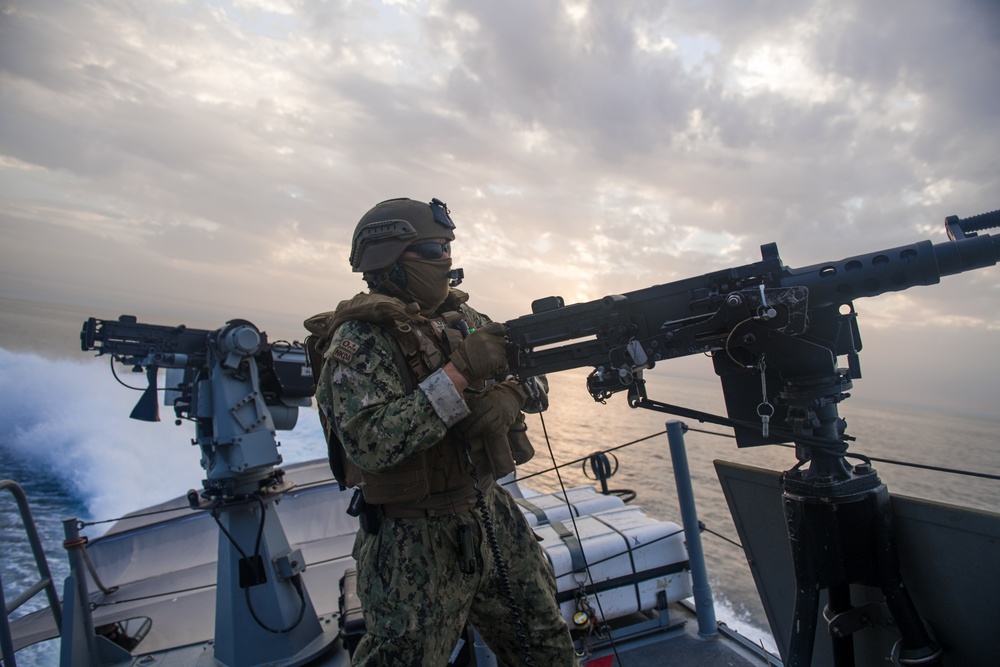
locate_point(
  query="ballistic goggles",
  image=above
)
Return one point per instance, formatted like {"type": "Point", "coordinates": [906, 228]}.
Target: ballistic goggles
{"type": "Point", "coordinates": [430, 249]}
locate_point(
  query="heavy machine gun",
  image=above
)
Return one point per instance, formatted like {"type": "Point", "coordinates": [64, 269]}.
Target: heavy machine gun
{"type": "Point", "coordinates": [238, 390]}
{"type": "Point", "coordinates": [789, 325]}
{"type": "Point", "coordinates": [775, 335]}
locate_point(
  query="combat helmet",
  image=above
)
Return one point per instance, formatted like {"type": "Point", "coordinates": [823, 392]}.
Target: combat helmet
{"type": "Point", "coordinates": [384, 232]}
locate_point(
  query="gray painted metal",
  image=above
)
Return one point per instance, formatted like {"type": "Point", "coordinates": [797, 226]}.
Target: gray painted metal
{"type": "Point", "coordinates": [707, 626]}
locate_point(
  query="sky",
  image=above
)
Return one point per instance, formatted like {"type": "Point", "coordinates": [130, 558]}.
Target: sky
{"type": "Point", "coordinates": [193, 161]}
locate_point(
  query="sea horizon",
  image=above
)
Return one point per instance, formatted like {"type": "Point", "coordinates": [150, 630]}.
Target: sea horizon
{"type": "Point", "coordinates": [52, 329]}
{"type": "Point", "coordinates": [65, 429]}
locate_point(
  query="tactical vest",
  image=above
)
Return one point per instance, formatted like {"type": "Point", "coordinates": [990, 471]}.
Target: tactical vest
{"type": "Point", "coordinates": [441, 475]}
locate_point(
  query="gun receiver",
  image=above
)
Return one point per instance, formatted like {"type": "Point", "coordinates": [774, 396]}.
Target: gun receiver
{"type": "Point", "coordinates": [762, 319]}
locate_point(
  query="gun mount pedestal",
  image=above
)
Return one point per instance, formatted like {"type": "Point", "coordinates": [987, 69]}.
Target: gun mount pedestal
{"type": "Point", "coordinates": [840, 533]}
{"type": "Point", "coordinates": [838, 519]}
{"type": "Point", "coordinates": [263, 612]}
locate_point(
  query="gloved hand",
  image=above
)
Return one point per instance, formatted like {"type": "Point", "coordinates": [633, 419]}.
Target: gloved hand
{"type": "Point", "coordinates": [482, 354]}
{"type": "Point", "coordinates": [494, 410]}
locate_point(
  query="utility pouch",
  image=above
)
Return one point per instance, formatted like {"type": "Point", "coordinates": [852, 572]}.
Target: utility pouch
{"type": "Point", "coordinates": [369, 516]}
{"type": "Point", "coordinates": [520, 446]}
{"type": "Point", "coordinates": [497, 450]}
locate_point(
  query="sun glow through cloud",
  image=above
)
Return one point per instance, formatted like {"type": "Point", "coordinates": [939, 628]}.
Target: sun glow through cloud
{"type": "Point", "coordinates": [226, 149]}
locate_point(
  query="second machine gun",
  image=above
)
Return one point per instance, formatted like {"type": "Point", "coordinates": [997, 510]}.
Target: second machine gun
{"type": "Point", "coordinates": [775, 335]}
{"type": "Point", "coordinates": [237, 388]}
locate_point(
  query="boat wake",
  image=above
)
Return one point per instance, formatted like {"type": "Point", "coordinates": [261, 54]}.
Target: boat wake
{"type": "Point", "coordinates": [68, 419]}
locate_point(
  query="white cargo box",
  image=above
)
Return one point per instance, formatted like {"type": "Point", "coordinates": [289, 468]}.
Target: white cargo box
{"type": "Point", "coordinates": [583, 500]}
{"type": "Point", "coordinates": [631, 558]}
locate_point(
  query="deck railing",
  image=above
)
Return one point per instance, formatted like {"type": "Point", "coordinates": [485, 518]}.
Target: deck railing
{"type": "Point", "coordinates": [45, 577]}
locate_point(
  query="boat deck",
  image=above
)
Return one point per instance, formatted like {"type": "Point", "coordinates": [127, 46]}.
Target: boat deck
{"type": "Point", "coordinates": [681, 644]}
{"type": "Point", "coordinates": [162, 563]}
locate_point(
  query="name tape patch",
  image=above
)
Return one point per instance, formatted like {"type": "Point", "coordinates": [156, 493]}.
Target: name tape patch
{"type": "Point", "coordinates": [346, 350]}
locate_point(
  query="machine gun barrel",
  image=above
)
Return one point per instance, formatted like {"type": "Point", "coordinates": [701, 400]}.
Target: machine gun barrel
{"type": "Point", "coordinates": [281, 374]}
{"type": "Point", "coordinates": [895, 269]}
{"type": "Point", "coordinates": [687, 316]}
{"type": "Point", "coordinates": [144, 344]}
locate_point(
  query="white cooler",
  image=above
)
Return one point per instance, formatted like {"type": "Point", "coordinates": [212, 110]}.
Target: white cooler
{"type": "Point", "coordinates": [632, 557]}
{"type": "Point", "coordinates": [583, 500]}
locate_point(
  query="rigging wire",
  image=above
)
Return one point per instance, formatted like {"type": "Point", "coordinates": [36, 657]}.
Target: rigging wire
{"type": "Point", "coordinates": [576, 531]}
{"type": "Point", "coordinates": [574, 462]}
{"type": "Point", "coordinates": [555, 468]}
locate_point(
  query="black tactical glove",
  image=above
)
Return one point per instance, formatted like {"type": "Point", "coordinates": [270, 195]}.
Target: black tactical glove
{"type": "Point", "coordinates": [495, 410]}
{"type": "Point", "coordinates": [482, 354]}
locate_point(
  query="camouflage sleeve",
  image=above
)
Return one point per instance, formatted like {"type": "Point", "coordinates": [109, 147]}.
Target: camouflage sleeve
{"type": "Point", "coordinates": [473, 317]}
{"type": "Point", "coordinates": [379, 423]}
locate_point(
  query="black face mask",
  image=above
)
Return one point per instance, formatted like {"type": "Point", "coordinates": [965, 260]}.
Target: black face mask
{"type": "Point", "coordinates": [427, 281]}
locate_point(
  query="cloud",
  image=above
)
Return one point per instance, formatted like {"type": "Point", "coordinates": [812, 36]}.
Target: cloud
{"type": "Point", "coordinates": [217, 155]}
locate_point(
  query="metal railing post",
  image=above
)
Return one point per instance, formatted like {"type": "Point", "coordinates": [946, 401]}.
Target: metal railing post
{"type": "Point", "coordinates": [704, 606]}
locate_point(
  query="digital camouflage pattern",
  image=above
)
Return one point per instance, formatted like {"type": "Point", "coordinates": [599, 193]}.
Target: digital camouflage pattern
{"type": "Point", "coordinates": [379, 424]}
{"type": "Point", "coordinates": [414, 597]}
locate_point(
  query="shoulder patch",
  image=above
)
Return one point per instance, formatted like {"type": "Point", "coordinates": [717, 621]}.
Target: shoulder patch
{"type": "Point", "coordinates": [346, 350]}
{"type": "Point", "coordinates": [362, 346]}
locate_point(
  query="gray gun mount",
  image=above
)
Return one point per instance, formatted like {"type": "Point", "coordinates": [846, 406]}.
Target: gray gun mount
{"type": "Point", "coordinates": [238, 389]}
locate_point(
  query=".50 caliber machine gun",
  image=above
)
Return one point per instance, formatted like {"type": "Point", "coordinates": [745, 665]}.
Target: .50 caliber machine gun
{"type": "Point", "coordinates": [775, 335]}
{"type": "Point", "coordinates": [238, 389]}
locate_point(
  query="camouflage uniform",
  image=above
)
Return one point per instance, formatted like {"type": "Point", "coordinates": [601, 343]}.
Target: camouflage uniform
{"type": "Point", "coordinates": [414, 597]}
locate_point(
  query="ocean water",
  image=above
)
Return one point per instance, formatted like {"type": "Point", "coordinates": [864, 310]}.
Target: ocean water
{"type": "Point", "coordinates": [65, 436]}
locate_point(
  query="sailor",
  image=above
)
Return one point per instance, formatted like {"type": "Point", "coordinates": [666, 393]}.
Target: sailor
{"type": "Point", "coordinates": [412, 391]}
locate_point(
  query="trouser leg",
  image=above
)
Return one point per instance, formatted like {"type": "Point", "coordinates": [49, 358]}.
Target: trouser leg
{"type": "Point", "coordinates": [533, 587]}
{"type": "Point", "coordinates": [413, 596]}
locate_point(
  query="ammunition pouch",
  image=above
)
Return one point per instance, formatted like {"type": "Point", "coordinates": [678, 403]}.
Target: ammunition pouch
{"type": "Point", "coordinates": [520, 446]}
{"type": "Point", "coordinates": [504, 451]}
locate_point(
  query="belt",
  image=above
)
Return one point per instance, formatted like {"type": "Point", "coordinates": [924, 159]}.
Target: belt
{"type": "Point", "coordinates": [410, 512]}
